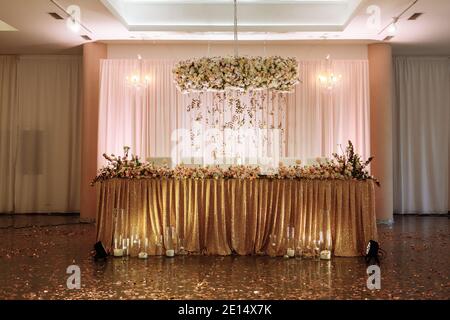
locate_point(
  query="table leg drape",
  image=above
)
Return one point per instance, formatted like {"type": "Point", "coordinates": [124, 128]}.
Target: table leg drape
{"type": "Point", "coordinates": [226, 216]}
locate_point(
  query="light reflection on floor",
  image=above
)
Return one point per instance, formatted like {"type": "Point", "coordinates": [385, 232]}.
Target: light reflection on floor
{"type": "Point", "coordinates": [33, 264]}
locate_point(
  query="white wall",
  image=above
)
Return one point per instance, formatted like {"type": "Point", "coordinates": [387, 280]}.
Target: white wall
{"type": "Point", "coordinates": [189, 50]}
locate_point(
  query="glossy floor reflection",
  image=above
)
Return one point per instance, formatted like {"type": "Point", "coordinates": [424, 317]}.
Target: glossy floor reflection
{"type": "Point", "coordinates": [33, 264]}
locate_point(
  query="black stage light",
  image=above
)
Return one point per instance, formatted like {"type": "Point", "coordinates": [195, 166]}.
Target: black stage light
{"type": "Point", "coordinates": [100, 252]}
{"type": "Point", "coordinates": [373, 252]}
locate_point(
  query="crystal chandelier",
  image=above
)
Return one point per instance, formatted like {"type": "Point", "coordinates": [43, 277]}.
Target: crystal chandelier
{"type": "Point", "coordinates": [329, 79]}
{"type": "Point", "coordinates": [139, 79]}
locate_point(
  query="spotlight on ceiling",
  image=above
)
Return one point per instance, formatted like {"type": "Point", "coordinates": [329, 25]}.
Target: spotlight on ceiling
{"type": "Point", "coordinates": [73, 25]}
{"type": "Point", "coordinates": [392, 29]}
{"type": "Point", "coordinates": [73, 21]}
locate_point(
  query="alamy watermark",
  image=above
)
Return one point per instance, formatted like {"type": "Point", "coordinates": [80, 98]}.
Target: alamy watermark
{"type": "Point", "coordinates": [215, 146]}
{"type": "Point", "coordinates": [74, 280]}
{"type": "Point", "coordinates": [374, 279]}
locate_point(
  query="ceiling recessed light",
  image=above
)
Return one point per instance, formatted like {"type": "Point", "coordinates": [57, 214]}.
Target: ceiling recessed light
{"type": "Point", "coordinates": [415, 16]}
{"type": "Point", "coordinates": [388, 38]}
{"type": "Point", "coordinates": [86, 37]}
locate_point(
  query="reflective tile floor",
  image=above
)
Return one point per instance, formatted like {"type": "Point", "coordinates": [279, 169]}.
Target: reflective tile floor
{"type": "Point", "coordinates": [33, 262]}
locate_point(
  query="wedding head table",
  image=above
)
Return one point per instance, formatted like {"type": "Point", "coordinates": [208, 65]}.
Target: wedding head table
{"type": "Point", "coordinates": [239, 216]}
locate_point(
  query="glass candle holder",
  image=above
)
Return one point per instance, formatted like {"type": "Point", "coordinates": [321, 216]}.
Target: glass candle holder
{"type": "Point", "coordinates": [273, 245]}
{"type": "Point", "coordinates": [159, 245]}
{"type": "Point", "coordinates": [181, 246]}
{"type": "Point", "coordinates": [308, 251]}
{"type": "Point", "coordinates": [143, 248]}
{"type": "Point", "coordinates": [299, 249]}
{"type": "Point", "coordinates": [118, 216]}
{"type": "Point", "coordinates": [290, 247]}
{"type": "Point", "coordinates": [327, 239]}
{"type": "Point", "coordinates": [170, 238]}
{"type": "Point", "coordinates": [134, 242]}
{"type": "Point", "coordinates": [126, 246]}
{"type": "Point", "coordinates": [316, 249]}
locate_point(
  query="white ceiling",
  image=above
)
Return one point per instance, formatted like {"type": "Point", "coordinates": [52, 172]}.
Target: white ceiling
{"type": "Point", "coordinates": [254, 16]}
{"type": "Point", "coordinates": [193, 20]}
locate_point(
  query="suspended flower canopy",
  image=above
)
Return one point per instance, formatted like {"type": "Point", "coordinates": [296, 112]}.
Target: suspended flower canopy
{"type": "Point", "coordinates": [236, 93]}
{"type": "Point", "coordinates": [236, 73]}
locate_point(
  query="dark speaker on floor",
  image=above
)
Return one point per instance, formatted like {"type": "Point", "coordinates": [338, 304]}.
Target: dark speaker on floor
{"type": "Point", "coordinates": [372, 252]}
{"type": "Point", "coordinates": [100, 252]}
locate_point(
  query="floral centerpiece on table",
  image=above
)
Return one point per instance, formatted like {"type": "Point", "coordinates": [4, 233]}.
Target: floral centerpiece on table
{"type": "Point", "coordinates": [346, 166]}
{"type": "Point", "coordinates": [244, 73]}
{"type": "Point", "coordinates": [123, 167]}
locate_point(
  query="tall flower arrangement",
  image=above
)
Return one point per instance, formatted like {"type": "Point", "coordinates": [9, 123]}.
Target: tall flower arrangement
{"type": "Point", "coordinates": [352, 165]}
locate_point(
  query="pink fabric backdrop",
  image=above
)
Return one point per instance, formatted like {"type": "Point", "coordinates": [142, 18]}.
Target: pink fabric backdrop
{"type": "Point", "coordinates": [316, 120]}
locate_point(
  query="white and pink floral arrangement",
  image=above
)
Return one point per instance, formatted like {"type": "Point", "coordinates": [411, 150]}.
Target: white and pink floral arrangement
{"type": "Point", "coordinates": [243, 73]}
{"type": "Point", "coordinates": [347, 166]}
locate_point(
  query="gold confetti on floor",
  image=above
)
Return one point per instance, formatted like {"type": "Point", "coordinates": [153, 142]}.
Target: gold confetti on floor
{"type": "Point", "coordinates": [33, 263]}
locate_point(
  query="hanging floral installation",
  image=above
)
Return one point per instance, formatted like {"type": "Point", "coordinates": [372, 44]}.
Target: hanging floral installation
{"type": "Point", "coordinates": [237, 93]}
{"type": "Point", "coordinates": [236, 73]}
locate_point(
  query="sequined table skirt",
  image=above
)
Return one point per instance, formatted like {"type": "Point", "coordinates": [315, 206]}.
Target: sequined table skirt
{"type": "Point", "coordinates": [238, 216]}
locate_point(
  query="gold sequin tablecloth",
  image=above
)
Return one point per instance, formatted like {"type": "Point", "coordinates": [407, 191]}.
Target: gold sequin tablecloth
{"type": "Point", "coordinates": [225, 216]}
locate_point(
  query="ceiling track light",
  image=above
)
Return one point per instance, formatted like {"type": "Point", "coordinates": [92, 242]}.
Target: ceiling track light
{"type": "Point", "coordinates": [73, 23]}
{"type": "Point", "coordinates": [391, 28]}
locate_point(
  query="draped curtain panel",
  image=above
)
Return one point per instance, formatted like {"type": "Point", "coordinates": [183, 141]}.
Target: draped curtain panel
{"type": "Point", "coordinates": [321, 121]}
{"type": "Point", "coordinates": [151, 120]}
{"type": "Point", "coordinates": [41, 147]}
{"type": "Point", "coordinates": [421, 134]}
{"type": "Point", "coordinates": [314, 120]}
{"type": "Point", "coordinates": [140, 118]}
{"type": "Point", "coordinates": [8, 114]}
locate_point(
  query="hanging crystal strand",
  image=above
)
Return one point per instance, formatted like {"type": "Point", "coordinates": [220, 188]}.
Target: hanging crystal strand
{"type": "Point", "coordinates": [221, 123]}
{"type": "Point", "coordinates": [283, 125]}
{"type": "Point", "coordinates": [236, 52]}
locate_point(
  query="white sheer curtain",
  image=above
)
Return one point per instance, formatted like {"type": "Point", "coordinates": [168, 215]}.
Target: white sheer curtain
{"type": "Point", "coordinates": [315, 120]}
{"type": "Point", "coordinates": [48, 154]}
{"type": "Point", "coordinates": [142, 119]}
{"type": "Point", "coordinates": [421, 134]}
{"type": "Point", "coordinates": [147, 119]}
{"type": "Point", "coordinates": [319, 120]}
{"type": "Point", "coordinates": [8, 113]}
{"type": "Point", "coordinates": [40, 143]}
